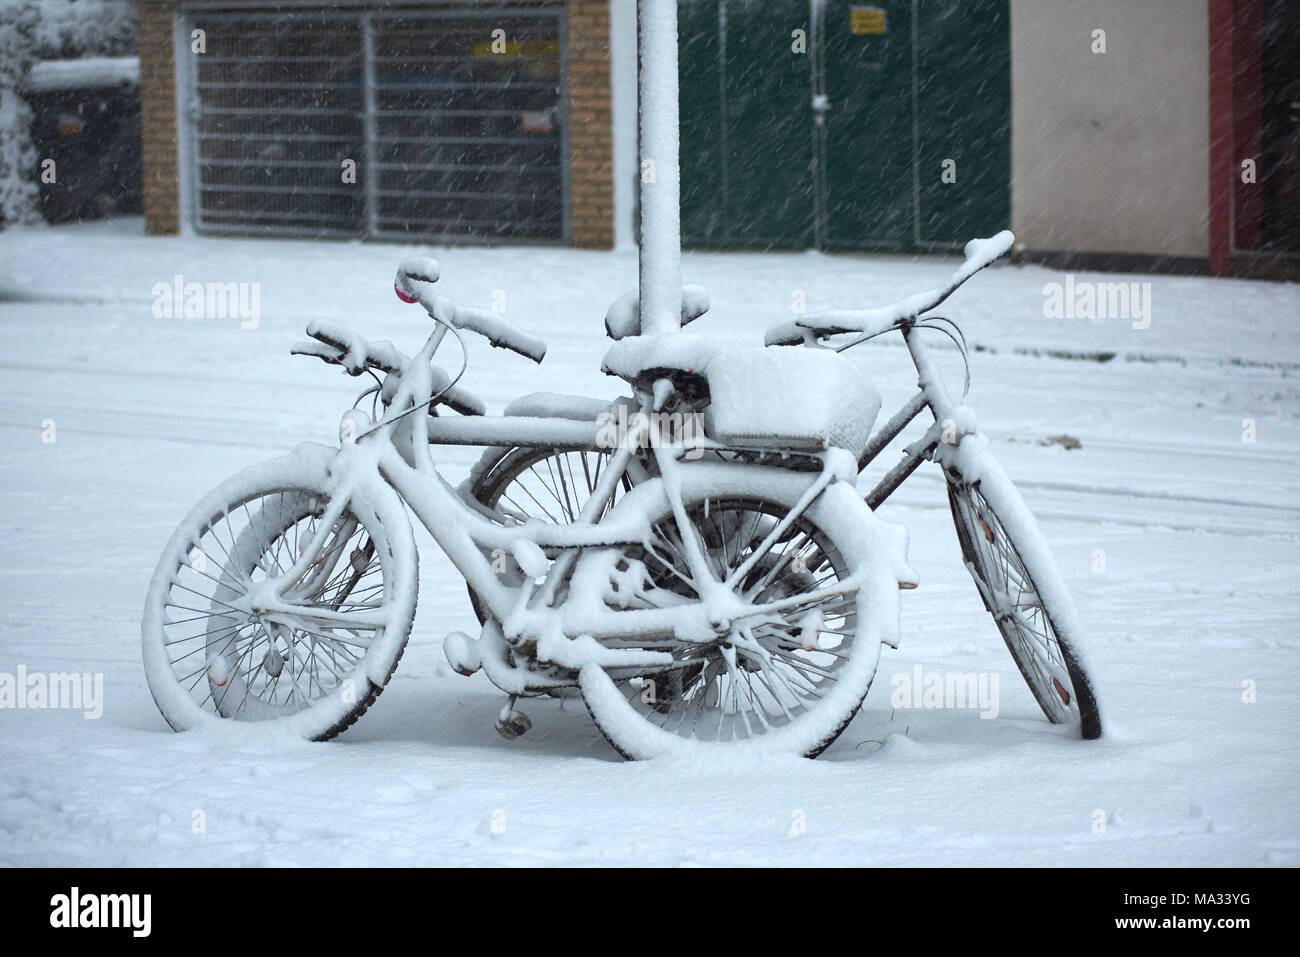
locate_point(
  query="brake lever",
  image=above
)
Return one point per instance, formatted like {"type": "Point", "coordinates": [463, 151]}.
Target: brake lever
{"type": "Point", "coordinates": [317, 350]}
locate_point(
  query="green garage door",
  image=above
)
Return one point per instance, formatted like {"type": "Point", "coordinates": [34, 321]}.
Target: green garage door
{"type": "Point", "coordinates": [866, 60]}
{"type": "Point", "coordinates": [881, 125]}
{"type": "Point", "coordinates": [963, 56]}
{"type": "Point", "coordinates": [747, 133]}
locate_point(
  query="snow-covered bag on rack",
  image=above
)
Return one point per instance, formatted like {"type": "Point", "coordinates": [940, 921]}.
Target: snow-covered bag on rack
{"type": "Point", "coordinates": [789, 398]}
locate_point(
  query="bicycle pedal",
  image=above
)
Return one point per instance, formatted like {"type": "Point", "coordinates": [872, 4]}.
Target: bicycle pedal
{"type": "Point", "coordinates": [219, 671]}
{"type": "Point", "coordinates": [513, 725]}
{"type": "Point", "coordinates": [462, 653]}
{"type": "Point", "coordinates": [531, 559]}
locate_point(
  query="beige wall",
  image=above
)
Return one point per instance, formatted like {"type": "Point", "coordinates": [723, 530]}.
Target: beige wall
{"type": "Point", "coordinates": [1109, 152]}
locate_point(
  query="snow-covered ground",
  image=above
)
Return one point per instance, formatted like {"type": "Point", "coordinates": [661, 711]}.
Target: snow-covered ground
{"type": "Point", "coordinates": [1176, 523]}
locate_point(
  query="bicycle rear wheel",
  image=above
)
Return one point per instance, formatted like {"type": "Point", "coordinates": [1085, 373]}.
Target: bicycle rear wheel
{"type": "Point", "coordinates": [788, 679]}
{"type": "Point", "coordinates": [549, 484]}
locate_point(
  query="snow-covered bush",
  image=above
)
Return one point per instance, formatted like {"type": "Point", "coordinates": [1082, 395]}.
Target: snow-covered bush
{"type": "Point", "coordinates": [18, 194]}
{"type": "Point", "coordinates": [70, 29]}
{"type": "Point", "coordinates": [33, 30]}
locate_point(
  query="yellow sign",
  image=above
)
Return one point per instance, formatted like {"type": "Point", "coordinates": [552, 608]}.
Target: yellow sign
{"type": "Point", "coordinates": [518, 48]}
{"type": "Point", "coordinates": [869, 20]}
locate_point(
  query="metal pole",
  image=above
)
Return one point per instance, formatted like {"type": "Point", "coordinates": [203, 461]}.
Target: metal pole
{"type": "Point", "coordinates": [660, 173]}
{"type": "Point", "coordinates": [370, 134]}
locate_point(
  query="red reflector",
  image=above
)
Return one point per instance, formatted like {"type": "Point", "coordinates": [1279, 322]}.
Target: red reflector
{"type": "Point", "coordinates": [1064, 695]}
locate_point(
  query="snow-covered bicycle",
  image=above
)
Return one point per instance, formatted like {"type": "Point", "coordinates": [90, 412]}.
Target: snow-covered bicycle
{"type": "Point", "coordinates": [719, 587]}
{"type": "Point", "coordinates": [722, 586]}
{"type": "Point", "coordinates": [733, 597]}
{"type": "Point", "coordinates": [1002, 547]}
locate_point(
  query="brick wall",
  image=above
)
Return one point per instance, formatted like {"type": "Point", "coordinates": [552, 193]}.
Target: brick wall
{"type": "Point", "coordinates": [158, 118]}
{"type": "Point", "coordinates": [591, 142]}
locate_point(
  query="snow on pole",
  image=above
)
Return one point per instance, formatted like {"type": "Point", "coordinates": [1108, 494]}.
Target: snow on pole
{"type": "Point", "coordinates": [660, 175]}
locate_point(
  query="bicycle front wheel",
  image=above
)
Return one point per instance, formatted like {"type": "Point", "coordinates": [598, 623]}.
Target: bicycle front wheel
{"type": "Point", "coordinates": [1022, 589]}
{"type": "Point", "coordinates": [316, 662]}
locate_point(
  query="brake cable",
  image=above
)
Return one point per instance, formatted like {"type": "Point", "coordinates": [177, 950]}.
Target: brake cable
{"type": "Point", "coordinates": [464, 365]}
{"type": "Point", "coordinates": [953, 332]}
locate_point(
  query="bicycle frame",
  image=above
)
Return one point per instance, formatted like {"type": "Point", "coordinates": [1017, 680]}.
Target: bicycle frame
{"type": "Point", "coordinates": [395, 456]}
{"type": "Point", "coordinates": [931, 394]}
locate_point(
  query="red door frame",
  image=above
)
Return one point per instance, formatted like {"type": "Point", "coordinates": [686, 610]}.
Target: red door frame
{"type": "Point", "coordinates": [1247, 119]}
{"type": "Point", "coordinates": [1221, 136]}
{"type": "Point", "coordinates": [1236, 128]}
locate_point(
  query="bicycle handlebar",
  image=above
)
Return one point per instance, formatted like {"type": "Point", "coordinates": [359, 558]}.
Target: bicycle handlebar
{"type": "Point", "coordinates": [871, 322]}
{"type": "Point", "coordinates": [497, 329]}
{"type": "Point", "coordinates": [338, 345]}
{"type": "Point", "coordinates": [500, 332]}
{"type": "Point", "coordinates": [346, 348]}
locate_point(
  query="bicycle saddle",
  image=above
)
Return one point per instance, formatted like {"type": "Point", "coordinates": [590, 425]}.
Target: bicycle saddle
{"type": "Point", "coordinates": [679, 356]}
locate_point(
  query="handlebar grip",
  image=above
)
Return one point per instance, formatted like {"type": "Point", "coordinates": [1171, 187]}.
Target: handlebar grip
{"type": "Point", "coordinates": [501, 332]}
{"type": "Point", "coordinates": [785, 334]}
{"type": "Point", "coordinates": [419, 269]}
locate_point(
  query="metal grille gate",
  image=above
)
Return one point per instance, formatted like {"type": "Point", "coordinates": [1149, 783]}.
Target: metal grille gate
{"type": "Point", "coordinates": [454, 121]}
